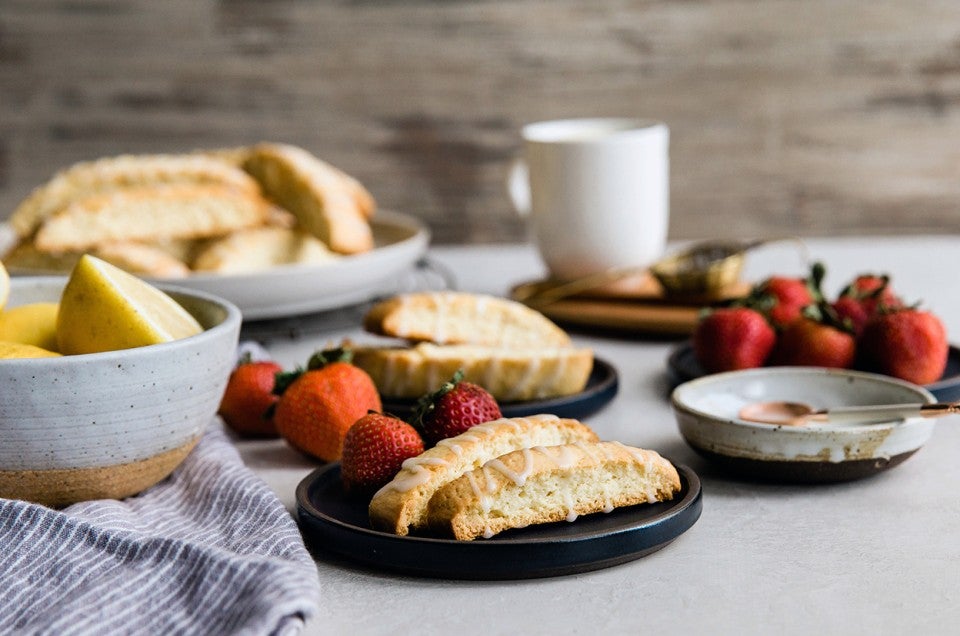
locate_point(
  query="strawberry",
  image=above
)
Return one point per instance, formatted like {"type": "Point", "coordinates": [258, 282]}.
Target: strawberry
{"type": "Point", "coordinates": [453, 408]}
{"type": "Point", "coordinates": [906, 343]}
{"type": "Point", "coordinates": [374, 449]}
{"type": "Point", "coordinates": [732, 338]}
{"type": "Point", "coordinates": [853, 312]}
{"type": "Point", "coordinates": [859, 300]}
{"type": "Point", "coordinates": [815, 341]}
{"type": "Point", "coordinates": [873, 291]}
{"type": "Point", "coordinates": [248, 400]}
{"type": "Point", "coordinates": [319, 404]}
{"type": "Point", "coordinates": [790, 296]}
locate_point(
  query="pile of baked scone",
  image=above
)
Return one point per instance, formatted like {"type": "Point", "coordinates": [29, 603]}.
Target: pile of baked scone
{"type": "Point", "coordinates": [510, 472]}
{"type": "Point", "coordinates": [220, 211]}
{"type": "Point", "coordinates": [511, 350]}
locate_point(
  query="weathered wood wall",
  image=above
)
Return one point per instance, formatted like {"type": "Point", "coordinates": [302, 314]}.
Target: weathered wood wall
{"type": "Point", "coordinates": [788, 117]}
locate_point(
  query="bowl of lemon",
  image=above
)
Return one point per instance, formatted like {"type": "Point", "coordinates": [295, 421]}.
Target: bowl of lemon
{"type": "Point", "coordinates": [108, 382]}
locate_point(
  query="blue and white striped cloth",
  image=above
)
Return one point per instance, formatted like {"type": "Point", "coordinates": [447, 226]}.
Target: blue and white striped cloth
{"type": "Point", "coordinates": [210, 550]}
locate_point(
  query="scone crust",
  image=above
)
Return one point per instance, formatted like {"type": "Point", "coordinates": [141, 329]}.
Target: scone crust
{"type": "Point", "coordinates": [401, 505]}
{"type": "Point", "coordinates": [549, 484]}
{"type": "Point", "coordinates": [463, 318]}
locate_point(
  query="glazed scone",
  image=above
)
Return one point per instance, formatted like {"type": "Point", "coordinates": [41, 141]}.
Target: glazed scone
{"type": "Point", "coordinates": [101, 176]}
{"type": "Point", "coordinates": [401, 505]}
{"type": "Point", "coordinates": [260, 248]}
{"type": "Point", "coordinates": [463, 318]}
{"type": "Point", "coordinates": [327, 203]}
{"type": "Point", "coordinates": [545, 484]}
{"type": "Point", "coordinates": [509, 374]}
{"type": "Point", "coordinates": [151, 214]}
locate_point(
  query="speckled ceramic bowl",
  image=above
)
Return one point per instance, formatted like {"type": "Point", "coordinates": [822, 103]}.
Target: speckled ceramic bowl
{"type": "Point", "coordinates": [109, 425]}
{"type": "Point", "coordinates": [707, 414]}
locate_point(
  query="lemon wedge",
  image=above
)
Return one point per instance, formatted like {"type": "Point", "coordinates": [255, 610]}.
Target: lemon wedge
{"type": "Point", "coordinates": [4, 286]}
{"type": "Point", "coordinates": [104, 308]}
{"type": "Point", "coordinates": [9, 350]}
{"type": "Point", "coordinates": [34, 324]}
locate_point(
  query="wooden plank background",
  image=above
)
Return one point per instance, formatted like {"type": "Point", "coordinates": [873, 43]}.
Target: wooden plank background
{"type": "Point", "coordinates": [788, 117]}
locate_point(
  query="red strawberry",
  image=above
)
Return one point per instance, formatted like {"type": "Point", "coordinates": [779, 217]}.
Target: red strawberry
{"type": "Point", "coordinates": [853, 312]}
{"type": "Point", "coordinates": [454, 408]}
{"type": "Point", "coordinates": [813, 343]}
{"type": "Point", "coordinates": [317, 406]}
{"type": "Point", "coordinates": [374, 449]}
{"type": "Point", "coordinates": [906, 343]}
{"type": "Point", "coordinates": [873, 291]}
{"type": "Point", "coordinates": [247, 402]}
{"type": "Point", "coordinates": [790, 296]}
{"type": "Point", "coordinates": [733, 338]}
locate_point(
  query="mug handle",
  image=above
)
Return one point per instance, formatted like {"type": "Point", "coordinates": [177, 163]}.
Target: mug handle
{"type": "Point", "coordinates": [518, 186]}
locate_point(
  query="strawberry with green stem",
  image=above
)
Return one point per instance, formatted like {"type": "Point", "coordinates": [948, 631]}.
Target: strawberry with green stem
{"type": "Point", "coordinates": [453, 408]}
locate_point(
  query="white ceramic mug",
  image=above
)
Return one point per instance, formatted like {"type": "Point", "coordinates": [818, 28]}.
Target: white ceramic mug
{"type": "Point", "coordinates": [597, 191]}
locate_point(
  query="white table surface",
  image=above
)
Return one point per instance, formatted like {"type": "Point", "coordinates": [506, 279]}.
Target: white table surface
{"type": "Point", "coordinates": [876, 556]}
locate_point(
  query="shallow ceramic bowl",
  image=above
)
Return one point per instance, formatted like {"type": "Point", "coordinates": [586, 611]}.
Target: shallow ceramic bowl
{"type": "Point", "coordinates": [707, 414]}
{"type": "Point", "coordinates": [109, 425]}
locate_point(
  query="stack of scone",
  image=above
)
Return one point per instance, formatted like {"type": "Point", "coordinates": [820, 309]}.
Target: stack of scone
{"type": "Point", "coordinates": [229, 211]}
{"type": "Point", "coordinates": [514, 352]}
{"type": "Point", "coordinates": [513, 473]}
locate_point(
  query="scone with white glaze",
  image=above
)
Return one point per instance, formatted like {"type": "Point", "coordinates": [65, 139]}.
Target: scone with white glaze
{"type": "Point", "coordinates": [509, 373]}
{"type": "Point", "coordinates": [446, 317]}
{"type": "Point", "coordinates": [401, 505]}
{"type": "Point", "coordinates": [546, 484]}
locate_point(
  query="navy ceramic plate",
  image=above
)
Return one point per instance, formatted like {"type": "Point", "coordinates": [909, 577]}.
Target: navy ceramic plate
{"type": "Point", "coordinates": [683, 366]}
{"type": "Point", "coordinates": [602, 386]}
{"type": "Point", "coordinates": [331, 520]}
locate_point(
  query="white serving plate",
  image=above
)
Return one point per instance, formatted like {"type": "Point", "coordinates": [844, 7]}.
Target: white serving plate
{"type": "Point", "coordinates": [289, 290]}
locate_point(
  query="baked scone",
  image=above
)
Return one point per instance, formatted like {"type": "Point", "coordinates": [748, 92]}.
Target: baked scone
{"type": "Point", "coordinates": [136, 258]}
{"type": "Point", "coordinates": [101, 176]}
{"type": "Point", "coordinates": [545, 484]}
{"type": "Point", "coordinates": [261, 248]}
{"type": "Point", "coordinates": [463, 318]}
{"type": "Point", "coordinates": [151, 214]}
{"type": "Point", "coordinates": [328, 203]}
{"type": "Point", "coordinates": [509, 374]}
{"type": "Point", "coordinates": [401, 505]}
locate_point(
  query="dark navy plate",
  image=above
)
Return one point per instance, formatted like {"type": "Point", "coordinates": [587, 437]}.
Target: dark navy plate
{"type": "Point", "coordinates": [602, 386]}
{"type": "Point", "coordinates": [683, 366]}
{"type": "Point", "coordinates": [332, 520]}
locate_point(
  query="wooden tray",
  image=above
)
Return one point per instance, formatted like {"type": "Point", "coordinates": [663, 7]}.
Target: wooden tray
{"type": "Point", "coordinates": [638, 306]}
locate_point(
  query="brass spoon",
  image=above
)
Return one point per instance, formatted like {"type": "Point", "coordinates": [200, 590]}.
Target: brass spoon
{"type": "Point", "coordinates": [798, 413]}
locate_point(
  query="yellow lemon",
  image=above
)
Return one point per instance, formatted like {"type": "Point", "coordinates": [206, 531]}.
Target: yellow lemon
{"type": "Point", "coordinates": [19, 350]}
{"type": "Point", "coordinates": [4, 286]}
{"type": "Point", "coordinates": [33, 324]}
{"type": "Point", "coordinates": [103, 308]}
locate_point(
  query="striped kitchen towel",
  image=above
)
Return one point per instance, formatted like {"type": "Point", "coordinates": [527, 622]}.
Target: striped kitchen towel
{"type": "Point", "coordinates": [209, 550]}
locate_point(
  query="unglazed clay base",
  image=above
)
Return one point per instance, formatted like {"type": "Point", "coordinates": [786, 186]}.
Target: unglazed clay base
{"type": "Point", "coordinates": [58, 488]}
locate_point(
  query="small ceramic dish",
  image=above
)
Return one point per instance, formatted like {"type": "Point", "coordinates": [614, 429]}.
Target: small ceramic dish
{"type": "Point", "coordinates": [109, 425]}
{"type": "Point", "coordinates": [707, 411]}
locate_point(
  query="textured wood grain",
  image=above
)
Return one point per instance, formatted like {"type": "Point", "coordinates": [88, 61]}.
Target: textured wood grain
{"type": "Point", "coordinates": [787, 118]}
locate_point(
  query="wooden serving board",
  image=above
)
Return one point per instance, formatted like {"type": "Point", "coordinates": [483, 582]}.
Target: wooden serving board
{"type": "Point", "coordinates": [643, 309]}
